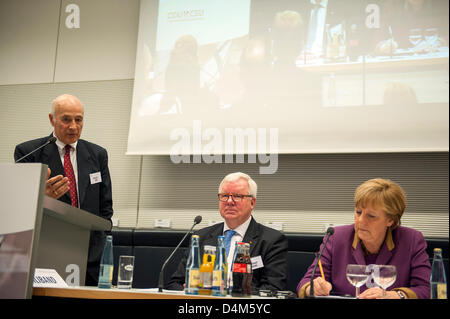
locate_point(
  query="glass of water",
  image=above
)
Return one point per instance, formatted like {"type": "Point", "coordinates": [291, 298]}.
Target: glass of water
{"type": "Point", "coordinates": [431, 35]}
{"type": "Point", "coordinates": [384, 276]}
{"type": "Point", "coordinates": [125, 276]}
{"type": "Point", "coordinates": [415, 36]}
{"type": "Point", "coordinates": [357, 275]}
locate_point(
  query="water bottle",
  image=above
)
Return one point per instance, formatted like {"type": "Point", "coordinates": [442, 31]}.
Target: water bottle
{"type": "Point", "coordinates": [193, 267]}
{"type": "Point", "coordinates": [220, 273]}
{"type": "Point", "coordinates": [438, 283]}
{"type": "Point", "coordinates": [106, 265]}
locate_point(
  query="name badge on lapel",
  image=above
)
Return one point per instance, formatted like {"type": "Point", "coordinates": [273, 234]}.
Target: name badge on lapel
{"type": "Point", "coordinates": [95, 178]}
{"type": "Point", "coordinates": [257, 262]}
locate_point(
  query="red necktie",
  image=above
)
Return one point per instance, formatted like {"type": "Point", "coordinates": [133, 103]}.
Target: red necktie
{"type": "Point", "coordinates": [68, 169]}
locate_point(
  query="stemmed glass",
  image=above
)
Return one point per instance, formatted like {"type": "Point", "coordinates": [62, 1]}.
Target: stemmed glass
{"type": "Point", "coordinates": [384, 276]}
{"type": "Point", "coordinates": [431, 37]}
{"type": "Point", "coordinates": [357, 275]}
{"type": "Point", "coordinates": [415, 36]}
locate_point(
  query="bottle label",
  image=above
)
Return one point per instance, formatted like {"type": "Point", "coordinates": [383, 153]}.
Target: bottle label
{"type": "Point", "coordinates": [111, 270]}
{"type": "Point", "coordinates": [106, 275]}
{"type": "Point", "coordinates": [237, 267]}
{"type": "Point", "coordinates": [441, 291]}
{"type": "Point", "coordinates": [194, 278]}
{"type": "Point", "coordinates": [217, 278]}
{"type": "Point", "coordinates": [206, 279]}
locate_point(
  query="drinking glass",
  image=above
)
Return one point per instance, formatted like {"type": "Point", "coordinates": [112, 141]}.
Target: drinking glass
{"type": "Point", "coordinates": [431, 35]}
{"type": "Point", "coordinates": [384, 276]}
{"type": "Point", "coordinates": [415, 36]}
{"type": "Point", "coordinates": [126, 267]}
{"type": "Point", "coordinates": [432, 39]}
{"type": "Point", "coordinates": [357, 275]}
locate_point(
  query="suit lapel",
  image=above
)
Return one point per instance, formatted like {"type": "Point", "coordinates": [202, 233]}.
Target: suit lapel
{"type": "Point", "coordinates": [83, 158]}
{"type": "Point", "coordinates": [358, 255]}
{"type": "Point", "coordinates": [251, 235]}
{"type": "Point", "coordinates": [51, 156]}
{"type": "Point", "coordinates": [357, 251]}
{"type": "Point", "coordinates": [384, 256]}
{"type": "Point", "coordinates": [212, 236]}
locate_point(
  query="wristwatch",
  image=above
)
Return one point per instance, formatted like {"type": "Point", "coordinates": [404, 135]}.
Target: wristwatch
{"type": "Point", "coordinates": [400, 294]}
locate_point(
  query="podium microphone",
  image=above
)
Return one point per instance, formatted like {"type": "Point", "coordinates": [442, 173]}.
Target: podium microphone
{"type": "Point", "coordinates": [50, 140]}
{"type": "Point", "coordinates": [197, 220]}
{"type": "Point", "coordinates": [330, 231]}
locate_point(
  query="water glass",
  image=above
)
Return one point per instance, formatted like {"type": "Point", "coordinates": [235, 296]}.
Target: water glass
{"type": "Point", "coordinates": [357, 275]}
{"type": "Point", "coordinates": [125, 276]}
{"type": "Point", "coordinates": [431, 35]}
{"type": "Point", "coordinates": [384, 276]}
{"type": "Point", "coordinates": [415, 36]}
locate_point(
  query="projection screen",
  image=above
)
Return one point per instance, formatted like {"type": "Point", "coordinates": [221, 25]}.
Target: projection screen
{"type": "Point", "coordinates": [290, 76]}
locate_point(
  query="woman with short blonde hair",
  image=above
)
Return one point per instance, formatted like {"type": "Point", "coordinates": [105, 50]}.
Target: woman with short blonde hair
{"type": "Point", "coordinates": [385, 194]}
{"type": "Point", "coordinates": [376, 238]}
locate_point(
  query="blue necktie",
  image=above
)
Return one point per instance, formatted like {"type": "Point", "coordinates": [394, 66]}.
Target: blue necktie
{"type": "Point", "coordinates": [228, 234]}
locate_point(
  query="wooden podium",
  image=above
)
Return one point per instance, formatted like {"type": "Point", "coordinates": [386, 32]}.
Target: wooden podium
{"type": "Point", "coordinates": [40, 231]}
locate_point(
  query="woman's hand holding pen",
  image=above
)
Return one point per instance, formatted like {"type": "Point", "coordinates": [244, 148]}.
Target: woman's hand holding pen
{"type": "Point", "coordinates": [321, 287]}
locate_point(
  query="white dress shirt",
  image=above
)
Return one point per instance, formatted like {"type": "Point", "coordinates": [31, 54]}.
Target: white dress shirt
{"type": "Point", "coordinates": [239, 236]}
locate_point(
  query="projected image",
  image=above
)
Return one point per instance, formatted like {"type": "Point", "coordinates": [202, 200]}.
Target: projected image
{"type": "Point", "coordinates": [197, 55]}
{"type": "Point", "coordinates": [327, 73]}
{"type": "Point", "coordinates": [361, 50]}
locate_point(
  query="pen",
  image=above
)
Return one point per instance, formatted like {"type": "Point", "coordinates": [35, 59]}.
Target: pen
{"type": "Point", "coordinates": [321, 270]}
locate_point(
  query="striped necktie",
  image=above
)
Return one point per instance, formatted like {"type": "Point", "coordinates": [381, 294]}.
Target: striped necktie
{"type": "Point", "coordinates": [68, 169]}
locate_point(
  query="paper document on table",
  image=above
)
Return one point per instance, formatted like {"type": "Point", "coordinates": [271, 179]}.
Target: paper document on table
{"type": "Point", "coordinates": [333, 297]}
{"type": "Point", "coordinates": [165, 291]}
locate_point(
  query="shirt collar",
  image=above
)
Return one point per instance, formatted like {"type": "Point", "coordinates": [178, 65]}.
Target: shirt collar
{"type": "Point", "coordinates": [241, 229]}
{"type": "Point", "coordinates": [61, 145]}
{"type": "Point", "coordinates": [389, 240]}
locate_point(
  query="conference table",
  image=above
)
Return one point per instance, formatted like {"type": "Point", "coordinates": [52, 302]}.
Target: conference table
{"type": "Point", "coordinates": [173, 304]}
{"type": "Point", "coordinates": [85, 292]}
{"type": "Point", "coordinates": [363, 82]}
{"type": "Point", "coordinates": [176, 304]}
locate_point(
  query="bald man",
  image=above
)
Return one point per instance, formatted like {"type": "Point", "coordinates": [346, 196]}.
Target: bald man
{"type": "Point", "coordinates": [78, 171]}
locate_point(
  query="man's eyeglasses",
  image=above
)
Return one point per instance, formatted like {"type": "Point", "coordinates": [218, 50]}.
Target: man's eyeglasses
{"type": "Point", "coordinates": [234, 197]}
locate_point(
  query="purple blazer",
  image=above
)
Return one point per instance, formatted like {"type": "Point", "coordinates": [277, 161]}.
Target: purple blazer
{"type": "Point", "coordinates": [404, 247]}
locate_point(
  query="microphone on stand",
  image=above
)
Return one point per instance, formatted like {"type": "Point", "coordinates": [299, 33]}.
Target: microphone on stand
{"type": "Point", "coordinates": [330, 231]}
{"type": "Point", "coordinates": [50, 140]}
{"type": "Point", "coordinates": [197, 220]}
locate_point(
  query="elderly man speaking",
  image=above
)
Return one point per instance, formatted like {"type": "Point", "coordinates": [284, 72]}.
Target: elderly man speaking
{"type": "Point", "coordinates": [78, 171]}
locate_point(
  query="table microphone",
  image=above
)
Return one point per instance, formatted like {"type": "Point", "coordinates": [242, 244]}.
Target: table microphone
{"type": "Point", "coordinates": [50, 140]}
{"type": "Point", "coordinates": [197, 220]}
{"type": "Point", "coordinates": [330, 231]}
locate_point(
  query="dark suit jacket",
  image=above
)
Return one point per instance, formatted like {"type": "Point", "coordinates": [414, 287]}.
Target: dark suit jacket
{"type": "Point", "coordinates": [94, 198]}
{"type": "Point", "coordinates": [266, 242]}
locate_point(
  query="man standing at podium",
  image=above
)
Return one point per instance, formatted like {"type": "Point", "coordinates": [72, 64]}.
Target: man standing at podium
{"type": "Point", "coordinates": [78, 171]}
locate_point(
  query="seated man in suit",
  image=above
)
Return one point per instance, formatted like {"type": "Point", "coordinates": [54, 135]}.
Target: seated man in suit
{"type": "Point", "coordinates": [78, 171]}
{"type": "Point", "coordinates": [268, 247]}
